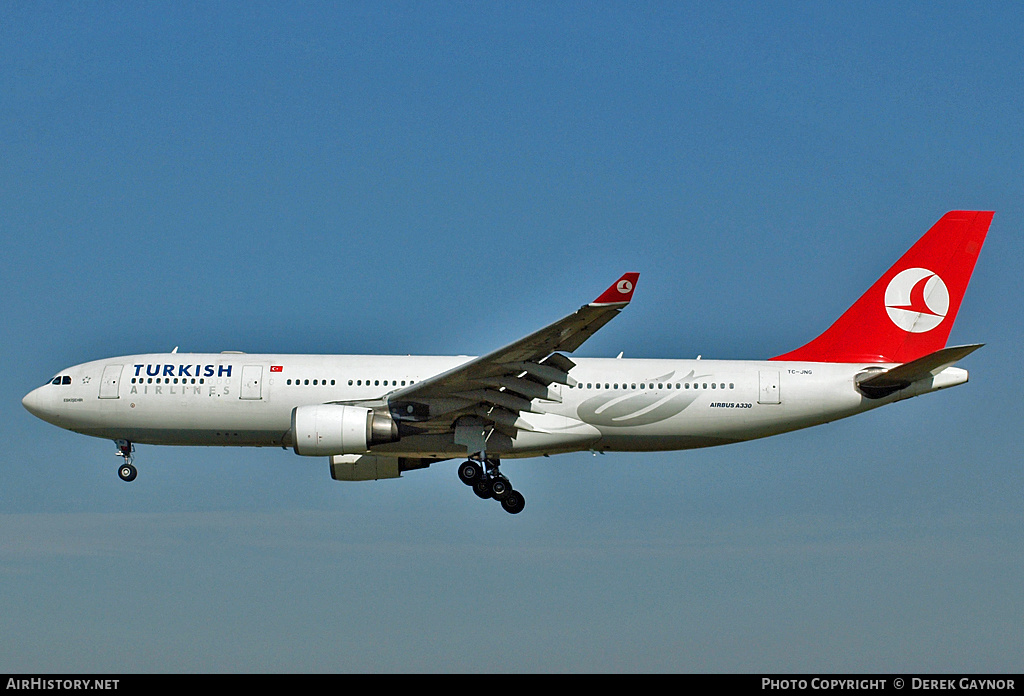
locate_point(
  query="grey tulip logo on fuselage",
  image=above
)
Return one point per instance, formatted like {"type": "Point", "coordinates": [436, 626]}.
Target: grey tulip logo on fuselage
{"type": "Point", "coordinates": [638, 407]}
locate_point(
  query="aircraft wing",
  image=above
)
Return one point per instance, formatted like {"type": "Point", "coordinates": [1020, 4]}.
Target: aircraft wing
{"type": "Point", "coordinates": [500, 385]}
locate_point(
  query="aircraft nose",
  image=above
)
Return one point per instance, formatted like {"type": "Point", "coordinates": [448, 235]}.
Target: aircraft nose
{"type": "Point", "coordinates": [35, 402]}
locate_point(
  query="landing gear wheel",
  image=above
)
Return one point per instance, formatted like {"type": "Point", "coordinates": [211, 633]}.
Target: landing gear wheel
{"type": "Point", "coordinates": [500, 487]}
{"type": "Point", "coordinates": [127, 472]}
{"type": "Point", "coordinates": [513, 502]}
{"type": "Point", "coordinates": [470, 472]}
{"type": "Point", "coordinates": [489, 482]}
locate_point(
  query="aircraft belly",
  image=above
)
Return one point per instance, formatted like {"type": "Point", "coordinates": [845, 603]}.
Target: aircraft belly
{"type": "Point", "coordinates": [568, 440]}
{"type": "Point", "coordinates": [553, 432]}
{"type": "Point", "coordinates": [188, 437]}
{"type": "Point", "coordinates": [561, 435]}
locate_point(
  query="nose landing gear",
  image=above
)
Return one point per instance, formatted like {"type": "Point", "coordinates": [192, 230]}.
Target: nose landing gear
{"type": "Point", "coordinates": [492, 484]}
{"type": "Point", "coordinates": [126, 471]}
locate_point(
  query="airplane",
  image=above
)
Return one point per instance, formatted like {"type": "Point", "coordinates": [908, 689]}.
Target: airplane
{"type": "Point", "coordinates": [378, 416]}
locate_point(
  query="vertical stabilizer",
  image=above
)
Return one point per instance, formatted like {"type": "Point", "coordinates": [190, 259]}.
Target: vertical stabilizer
{"type": "Point", "coordinates": [909, 312]}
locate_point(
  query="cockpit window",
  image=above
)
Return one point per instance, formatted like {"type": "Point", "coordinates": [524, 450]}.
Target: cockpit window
{"type": "Point", "coordinates": [61, 379]}
{"type": "Point", "coordinates": [66, 380]}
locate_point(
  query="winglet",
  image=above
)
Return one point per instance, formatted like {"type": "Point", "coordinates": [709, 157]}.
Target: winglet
{"type": "Point", "coordinates": [621, 291]}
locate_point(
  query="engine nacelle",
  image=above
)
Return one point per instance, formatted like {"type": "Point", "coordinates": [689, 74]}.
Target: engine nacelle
{"type": "Point", "coordinates": [340, 429]}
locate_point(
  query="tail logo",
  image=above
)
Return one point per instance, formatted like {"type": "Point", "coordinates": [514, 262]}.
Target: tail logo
{"type": "Point", "coordinates": [624, 286]}
{"type": "Point", "coordinates": [917, 300]}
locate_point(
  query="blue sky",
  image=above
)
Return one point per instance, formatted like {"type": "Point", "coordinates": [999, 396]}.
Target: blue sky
{"type": "Point", "coordinates": [443, 178]}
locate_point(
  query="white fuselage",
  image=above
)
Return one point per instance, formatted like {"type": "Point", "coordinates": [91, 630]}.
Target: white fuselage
{"type": "Point", "coordinates": [616, 405]}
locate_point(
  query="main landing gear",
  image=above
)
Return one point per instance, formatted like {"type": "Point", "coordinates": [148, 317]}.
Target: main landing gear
{"type": "Point", "coordinates": [491, 484]}
{"type": "Point", "coordinates": [126, 471]}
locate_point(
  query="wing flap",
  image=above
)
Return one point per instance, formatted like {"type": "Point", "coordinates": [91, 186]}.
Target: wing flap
{"type": "Point", "coordinates": [527, 388]}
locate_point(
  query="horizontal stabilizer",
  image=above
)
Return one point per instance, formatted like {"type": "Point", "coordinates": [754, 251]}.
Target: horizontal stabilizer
{"type": "Point", "coordinates": [878, 384]}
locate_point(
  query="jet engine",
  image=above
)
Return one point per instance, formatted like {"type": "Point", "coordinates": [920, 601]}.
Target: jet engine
{"type": "Point", "coordinates": [327, 429]}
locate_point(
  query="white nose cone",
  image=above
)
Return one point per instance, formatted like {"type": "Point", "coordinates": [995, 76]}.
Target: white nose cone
{"type": "Point", "coordinates": [37, 403]}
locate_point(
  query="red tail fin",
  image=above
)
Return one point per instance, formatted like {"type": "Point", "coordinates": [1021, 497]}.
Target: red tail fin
{"type": "Point", "coordinates": [910, 310]}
